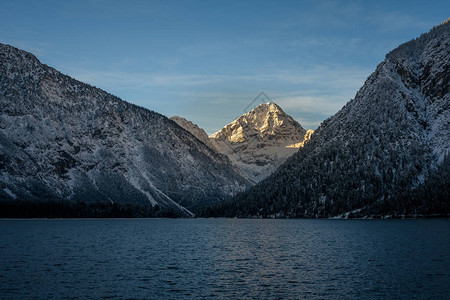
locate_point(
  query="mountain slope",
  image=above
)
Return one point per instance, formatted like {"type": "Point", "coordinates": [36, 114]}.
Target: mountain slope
{"type": "Point", "coordinates": [193, 129]}
{"type": "Point", "coordinates": [378, 154]}
{"type": "Point", "coordinates": [61, 139]}
{"type": "Point", "coordinates": [260, 140]}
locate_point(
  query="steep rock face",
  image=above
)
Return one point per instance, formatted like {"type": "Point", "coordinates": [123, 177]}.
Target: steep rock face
{"type": "Point", "coordinates": [193, 129]}
{"type": "Point", "coordinates": [63, 139]}
{"type": "Point", "coordinates": [376, 154]}
{"type": "Point", "coordinates": [260, 140]}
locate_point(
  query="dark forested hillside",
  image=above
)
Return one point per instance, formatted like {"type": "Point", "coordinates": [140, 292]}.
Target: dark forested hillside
{"type": "Point", "coordinates": [384, 153]}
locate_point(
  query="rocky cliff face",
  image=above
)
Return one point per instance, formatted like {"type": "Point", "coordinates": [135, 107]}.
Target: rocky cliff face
{"type": "Point", "coordinates": [65, 140]}
{"type": "Point", "coordinates": [260, 140]}
{"type": "Point", "coordinates": [376, 154]}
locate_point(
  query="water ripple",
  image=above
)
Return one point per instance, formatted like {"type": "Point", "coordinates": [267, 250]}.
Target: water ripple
{"type": "Point", "coordinates": [203, 259]}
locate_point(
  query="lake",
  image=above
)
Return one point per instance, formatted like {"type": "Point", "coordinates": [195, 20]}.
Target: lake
{"type": "Point", "coordinates": [224, 258]}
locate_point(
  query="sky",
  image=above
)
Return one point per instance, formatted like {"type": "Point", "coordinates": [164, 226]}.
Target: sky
{"type": "Point", "coordinates": [207, 60]}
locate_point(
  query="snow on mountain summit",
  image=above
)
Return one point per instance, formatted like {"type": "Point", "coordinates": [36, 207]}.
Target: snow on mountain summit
{"type": "Point", "coordinates": [260, 140]}
{"type": "Point", "coordinates": [265, 120]}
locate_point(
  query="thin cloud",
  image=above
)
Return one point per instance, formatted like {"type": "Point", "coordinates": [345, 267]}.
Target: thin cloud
{"type": "Point", "coordinates": [309, 94]}
{"type": "Point", "coordinates": [142, 80]}
{"type": "Point", "coordinates": [324, 75]}
{"type": "Point", "coordinates": [302, 104]}
{"type": "Point", "coordinates": [392, 21]}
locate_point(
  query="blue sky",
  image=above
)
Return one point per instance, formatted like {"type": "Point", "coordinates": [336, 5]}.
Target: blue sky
{"type": "Point", "coordinates": [207, 60]}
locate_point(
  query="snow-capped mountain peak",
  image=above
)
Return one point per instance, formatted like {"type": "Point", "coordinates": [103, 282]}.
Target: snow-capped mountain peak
{"type": "Point", "coordinates": [267, 120]}
{"type": "Point", "coordinates": [260, 140]}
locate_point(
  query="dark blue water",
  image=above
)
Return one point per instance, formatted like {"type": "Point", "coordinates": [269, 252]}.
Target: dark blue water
{"type": "Point", "coordinates": [231, 258]}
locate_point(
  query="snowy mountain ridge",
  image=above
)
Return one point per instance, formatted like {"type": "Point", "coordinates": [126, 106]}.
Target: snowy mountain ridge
{"type": "Point", "coordinates": [193, 129]}
{"type": "Point", "coordinates": [64, 140]}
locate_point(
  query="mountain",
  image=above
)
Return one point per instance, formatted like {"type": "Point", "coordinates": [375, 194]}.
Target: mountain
{"type": "Point", "coordinates": [193, 129]}
{"type": "Point", "coordinates": [69, 143]}
{"type": "Point", "coordinates": [260, 140]}
{"type": "Point", "coordinates": [384, 153]}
